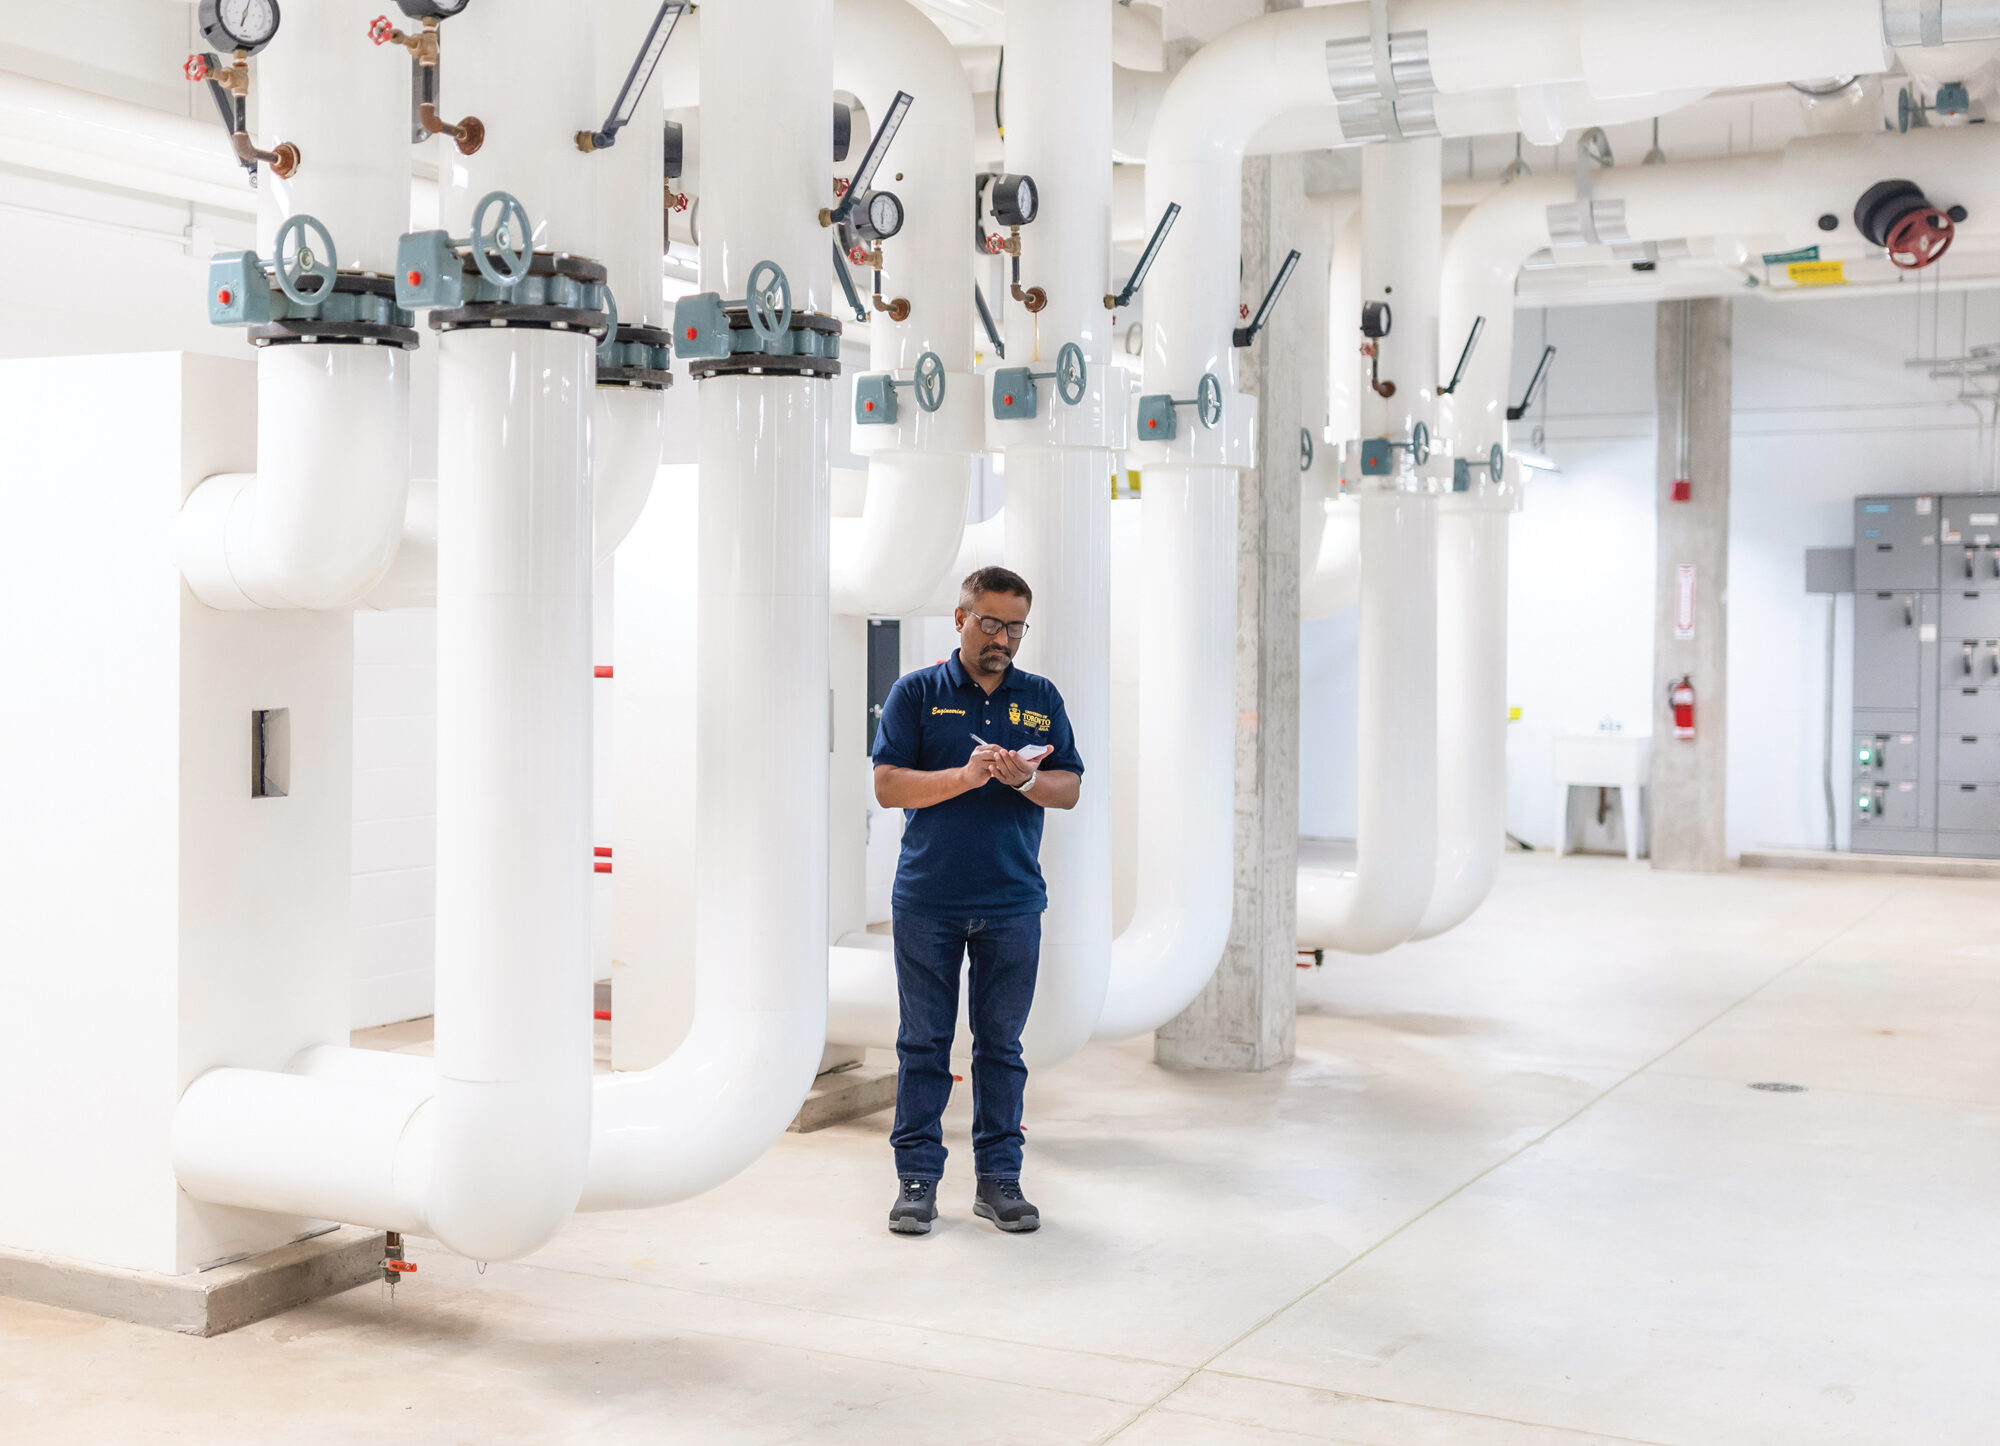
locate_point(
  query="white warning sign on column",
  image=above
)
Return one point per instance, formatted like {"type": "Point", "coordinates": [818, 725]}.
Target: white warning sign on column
{"type": "Point", "coordinates": [1684, 602]}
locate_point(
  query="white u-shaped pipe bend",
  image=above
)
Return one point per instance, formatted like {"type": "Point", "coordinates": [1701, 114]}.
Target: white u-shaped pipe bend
{"type": "Point", "coordinates": [484, 1148]}
{"type": "Point", "coordinates": [759, 1029]}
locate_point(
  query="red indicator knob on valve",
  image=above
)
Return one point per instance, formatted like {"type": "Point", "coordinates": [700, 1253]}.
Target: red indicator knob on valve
{"type": "Point", "coordinates": [223, 297]}
{"type": "Point", "coordinates": [196, 68]}
{"type": "Point", "coordinates": [692, 333]}
{"type": "Point", "coordinates": [867, 406]}
{"type": "Point", "coordinates": [1007, 401]}
{"type": "Point", "coordinates": [416, 278]}
{"type": "Point", "coordinates": [1152, 421]}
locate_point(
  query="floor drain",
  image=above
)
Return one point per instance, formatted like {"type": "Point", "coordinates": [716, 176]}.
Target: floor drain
{"type": "Point", "coordinates": [1778, 1087]}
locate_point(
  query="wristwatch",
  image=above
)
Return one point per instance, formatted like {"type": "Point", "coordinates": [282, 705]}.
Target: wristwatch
{"type": "Point", "coordinates": [1024, 787]}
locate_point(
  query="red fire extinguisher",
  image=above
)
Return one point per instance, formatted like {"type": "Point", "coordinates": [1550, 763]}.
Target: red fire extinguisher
{"type": "Point", "coordinates": [1680, 697]}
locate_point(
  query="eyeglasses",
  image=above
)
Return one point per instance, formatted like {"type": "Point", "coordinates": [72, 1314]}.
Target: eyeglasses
{"type": "Point", "coordinates": [991, 626]}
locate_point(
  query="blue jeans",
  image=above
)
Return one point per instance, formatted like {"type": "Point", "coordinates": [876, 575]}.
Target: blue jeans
{"type": "Point", "coordinates": [1005, 952]}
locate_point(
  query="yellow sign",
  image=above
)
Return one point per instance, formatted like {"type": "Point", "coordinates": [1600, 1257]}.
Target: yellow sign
{"type": "Point", "coordinates": [1513, 715]}
{"type": "Point", "coordinates": [1817, 273]}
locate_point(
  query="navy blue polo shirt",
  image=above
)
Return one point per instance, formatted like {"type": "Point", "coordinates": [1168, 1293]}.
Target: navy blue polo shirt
{"type": "Point", "coordinates": [975, 855]}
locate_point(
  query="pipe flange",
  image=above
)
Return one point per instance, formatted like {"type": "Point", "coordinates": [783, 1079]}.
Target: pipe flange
{"type": "Point", "coordinates": [650, 379]}
{"type": "Point", "coordinates": [290, 331]}
{"type": "Point", "coordinates": [636, 356]}
{"type": "Point", "coordinates": [524, 316]}
{"type": "Point", "coordinates": [764, 364]}
{"type": "Point", "coordinates": [813, 341]}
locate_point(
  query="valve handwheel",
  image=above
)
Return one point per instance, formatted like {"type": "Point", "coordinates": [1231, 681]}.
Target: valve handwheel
{"type": "Point", "coordinates": [487, 246]}
{"type": "Point", "coordinates": [930, 381]}
{"type": "Point", "coordinates": [1919, 239]}
{"type": "Point", "coordinates": [304, 262]}
{"type": "Point", "coordinates": [1208, 400]}
{"type": "Point", "coordinates": [769, 301]}
{"type": "Point", "coordinates": [610, 332]}
{"type": "Point", "coordinates": [1305, 449]}
{"type": "Point", "coordinates": [1071, 373]}
{"type": "Point", "coordinates": [1420, 444]}
{"type": "Point", "coordinates": [196, 68]}
{"type": "Point", "coordinates": [994, 245]}
{"type": "Point", "coordinates": [380, 30]}
{"type": "Point", "coordinates": [858, 255]}
{"type": "Point", "coordinates": [1496, 463]}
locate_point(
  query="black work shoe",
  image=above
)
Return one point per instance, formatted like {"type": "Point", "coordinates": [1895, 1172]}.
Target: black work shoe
{"type": "Point", "coordinates": [915, 1207]}
{"type": "Point", "coordinates": [1001, 1201]}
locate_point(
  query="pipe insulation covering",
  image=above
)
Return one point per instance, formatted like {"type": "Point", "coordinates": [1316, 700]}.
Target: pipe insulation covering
{"type": "Point", "coordinates": [761, 655]}
{"type": "Point", "coordinates": [887, 561]}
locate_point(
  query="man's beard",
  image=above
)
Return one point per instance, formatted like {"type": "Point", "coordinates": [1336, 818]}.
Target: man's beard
{"type": "Point", "coordinates": [993, 660]}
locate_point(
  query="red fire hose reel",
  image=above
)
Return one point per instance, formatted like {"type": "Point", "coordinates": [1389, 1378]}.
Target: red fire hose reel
{"type": "Point", "coordinates": [1897, 216]}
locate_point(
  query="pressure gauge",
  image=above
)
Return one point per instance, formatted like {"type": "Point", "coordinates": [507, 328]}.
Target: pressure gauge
{"type": "Point", "coordinates": [878, 217]}
{"type": "Point", "coordinates": [231, 25]}
{"type": "Point", "coordinates": [431, 9]}
{"type": "Point", "coordinates": [1015, 200]}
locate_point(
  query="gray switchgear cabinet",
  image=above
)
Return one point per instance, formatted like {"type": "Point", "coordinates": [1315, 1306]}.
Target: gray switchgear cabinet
{"type": "Point", "coordinates": [1927, 675]}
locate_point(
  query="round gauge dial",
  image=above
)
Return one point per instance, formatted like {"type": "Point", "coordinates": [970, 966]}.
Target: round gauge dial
{"type": "Point", "coordinates": [879, 216]}
{"type": "Point", "coordinates": [1014, 200]}
{"type": "Point", "coordinates": [431, 9]}
{"type": "Point", "coordinates": [246, 25]}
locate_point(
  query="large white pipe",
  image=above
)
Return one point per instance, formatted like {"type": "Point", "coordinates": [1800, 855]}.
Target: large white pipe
{"type": "Point", "coordinates": [1471, 704]}
{"type": "Point", "coordinates": [760, 731]}
{"type": "Point", "coordinates": [1380, 903]}
{"type": "Point", "coordinates": [1383, 901]}
{"type": "Point", "coordinates": [629, 423]}
{"type": "Point", "coordinates": [492, 1160]}
{"type": "Point", "coordinates": [1778, 197]}
{"type": "Point", "coordinates": [84, 136]}
{"type": "Point", "coordinates": [318, 524]}
{"type": "Point", "coordinates": [1059, 476]}
{"type": "Point", "coordinates": [889, 559]}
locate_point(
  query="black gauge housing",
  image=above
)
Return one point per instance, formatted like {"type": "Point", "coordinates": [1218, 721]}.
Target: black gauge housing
{"type": "Point", "coordinates": [676, 146]}
{"type": "Point", "coordinates": [1375, 319]}
{"type": "Point", "coordinates": [216, 31]}
{"type": "Point", "coordinates": [843, 130]}
{"type": "Point", "coordinates": [1015, 200]}
{"type": "Point", "coordinates": [877, 216]}
{"type": "Point", "coordinates": [431, 9]}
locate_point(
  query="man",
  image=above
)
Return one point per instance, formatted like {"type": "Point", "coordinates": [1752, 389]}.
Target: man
{"type": "Point", "coordinates": [972, 751]}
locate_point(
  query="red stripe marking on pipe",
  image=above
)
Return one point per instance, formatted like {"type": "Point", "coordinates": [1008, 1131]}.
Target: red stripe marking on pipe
{"type": "Point", "coordinates": [602, 670]}
{"type": "Point", "coordinates": [600, 1014]}
{"type": "Point", "coordinates": [602, 866]}
{"type": "Point", "coordinates": [602, 853]}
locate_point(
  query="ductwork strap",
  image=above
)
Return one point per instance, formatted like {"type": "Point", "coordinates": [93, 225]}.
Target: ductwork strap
{"type": "Point", "coordinates": [1907, 23]}
{"type": "Point", "coordinates": [1381, 83]}
{"type": "Point", "coordinates": [1587, 221]}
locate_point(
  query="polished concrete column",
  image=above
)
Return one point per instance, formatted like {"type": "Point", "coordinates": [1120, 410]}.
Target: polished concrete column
{"type": "Point", "coordinates": [1690, 621]}
{"type": "Point", "coordinates": [1244, 1019]}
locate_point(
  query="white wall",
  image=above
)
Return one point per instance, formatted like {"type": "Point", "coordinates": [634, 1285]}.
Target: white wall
{"type": "Point", "coordinates": [1825, 410]}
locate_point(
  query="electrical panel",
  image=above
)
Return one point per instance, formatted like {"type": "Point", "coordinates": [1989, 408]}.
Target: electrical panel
{"type": "Point", "coordinates": [1926, 754]}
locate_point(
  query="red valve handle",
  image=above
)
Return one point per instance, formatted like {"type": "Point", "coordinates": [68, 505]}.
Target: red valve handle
{"type": "Point", "coordinates": [1919, 239]}
{"type": "Point", "coordinates": [380, 30]}
{"type": "Point", "coordinates": [196, 68]}
{"type": "Point", "coordinates": [857, 254]}
{"type": "Point", "coordinates": [401, 1267]}
{"type": "Point", "coordinates": [994, 245]}
{"type": "Point", "coordinates": [840, 184]}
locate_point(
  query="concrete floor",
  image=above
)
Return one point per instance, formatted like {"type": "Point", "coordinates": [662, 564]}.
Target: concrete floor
{"type": "Point", "coordinates": [1515, 1191]}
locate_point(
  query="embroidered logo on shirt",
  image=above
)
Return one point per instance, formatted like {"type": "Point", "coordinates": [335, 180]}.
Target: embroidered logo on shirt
{"type": "Point", "coordinates": [1013, 712]}
{"type": "Point", "coordinates": [1037, 721]}
{"type": "Point", "coordinates": [955, 712]}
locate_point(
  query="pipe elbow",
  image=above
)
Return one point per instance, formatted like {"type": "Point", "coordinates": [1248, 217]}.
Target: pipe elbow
{"type": "Point", "coordinates": [507, 1161]}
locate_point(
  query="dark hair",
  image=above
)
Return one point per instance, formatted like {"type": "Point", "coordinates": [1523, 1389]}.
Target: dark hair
{"type": "Point", "coordinates": [994, 579]}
